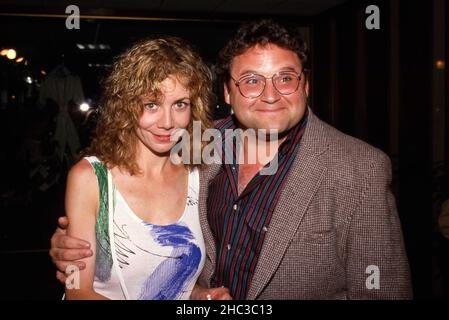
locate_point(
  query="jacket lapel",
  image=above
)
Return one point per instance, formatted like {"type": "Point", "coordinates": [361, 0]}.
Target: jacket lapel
{"type": "Point", "coordinates": [302, 183]}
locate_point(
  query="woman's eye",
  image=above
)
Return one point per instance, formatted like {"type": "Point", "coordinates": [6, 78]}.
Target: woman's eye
{"type": "Point", "coordinates": [151, 105]}
{"type": "Point", "coordinates": [181, 104]}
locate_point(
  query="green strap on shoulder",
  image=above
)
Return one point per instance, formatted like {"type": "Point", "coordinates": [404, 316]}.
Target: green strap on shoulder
{"type": "Point", "coordinates": [103, 263]}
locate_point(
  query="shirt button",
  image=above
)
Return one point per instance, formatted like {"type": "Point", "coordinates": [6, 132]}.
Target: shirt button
{"type": "Point", "coordinates": [235, 207]}
{"type": "Point", "coordinates": [229, 247]}
{"type": "Point", "coordinates": [265, 229]}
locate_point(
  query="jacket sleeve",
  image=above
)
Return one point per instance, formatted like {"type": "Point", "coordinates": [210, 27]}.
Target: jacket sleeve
{"type": "Point", "coordinates": [376, 261]}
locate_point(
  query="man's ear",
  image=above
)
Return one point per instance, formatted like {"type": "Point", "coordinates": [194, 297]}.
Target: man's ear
{"type": "Point", "coordinates": [306, 87]}
{"type": "Point", "coordinates": [227, 97]}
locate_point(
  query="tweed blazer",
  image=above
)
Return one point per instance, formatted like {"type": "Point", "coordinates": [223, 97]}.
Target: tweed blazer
{"type": "Point", "coordinates": [335, 232]}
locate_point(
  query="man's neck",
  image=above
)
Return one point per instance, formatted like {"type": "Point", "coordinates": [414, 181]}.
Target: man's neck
{"type": "Point", "coordinates": [259, 151]}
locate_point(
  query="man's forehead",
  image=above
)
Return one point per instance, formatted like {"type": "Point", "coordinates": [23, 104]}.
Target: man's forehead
{"type": "Point", "coordinates": [260, 57]}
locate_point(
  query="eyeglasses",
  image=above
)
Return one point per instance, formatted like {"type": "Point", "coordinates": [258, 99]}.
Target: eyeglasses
{"type": "Point", "coordinates": [253, 85]}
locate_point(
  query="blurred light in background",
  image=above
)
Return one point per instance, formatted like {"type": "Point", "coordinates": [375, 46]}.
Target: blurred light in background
{"type": "Point", "coordinates": [84, 107]}
{"type": "Point", "coordinates": [440, 64]}
{"type": "Point", "coordinates": [11, 54]}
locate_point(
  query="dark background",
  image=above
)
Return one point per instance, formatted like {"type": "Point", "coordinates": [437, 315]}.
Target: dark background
{"type": "Point", "coordinates": [381, 86]}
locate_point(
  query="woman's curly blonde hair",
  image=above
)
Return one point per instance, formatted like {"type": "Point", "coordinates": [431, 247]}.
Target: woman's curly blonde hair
{"type": "Point", "coordinates": [137, 73]}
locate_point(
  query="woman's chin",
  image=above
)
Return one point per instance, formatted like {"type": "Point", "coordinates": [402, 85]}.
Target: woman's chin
{"type": "Point", "coordinates": [162, 149]}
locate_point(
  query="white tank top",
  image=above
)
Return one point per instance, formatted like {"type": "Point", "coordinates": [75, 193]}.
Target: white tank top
{"type": "Point", "coordinates": [146, 261]}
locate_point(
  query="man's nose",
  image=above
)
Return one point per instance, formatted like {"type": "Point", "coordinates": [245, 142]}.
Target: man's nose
{"type": "Point", "coordinates": [166, 119]}
{"type": "Point", "coordinates": [270, 93]}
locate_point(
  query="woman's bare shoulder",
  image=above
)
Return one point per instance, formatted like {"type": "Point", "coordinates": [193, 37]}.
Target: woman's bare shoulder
{"type": "Point", "coordinates": [82, 175]}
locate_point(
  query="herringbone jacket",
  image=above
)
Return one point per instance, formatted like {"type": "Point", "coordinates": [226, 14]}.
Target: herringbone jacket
{"type": "Point", "coordinates": [335, 232]}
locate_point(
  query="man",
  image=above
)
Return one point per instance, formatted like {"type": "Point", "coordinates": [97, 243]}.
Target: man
{"type": "Point", "coordinates": [324, 225]}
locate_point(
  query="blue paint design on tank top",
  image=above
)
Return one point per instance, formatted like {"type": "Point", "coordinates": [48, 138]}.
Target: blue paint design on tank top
{"type": "Point", "coordinates": [169, 279]}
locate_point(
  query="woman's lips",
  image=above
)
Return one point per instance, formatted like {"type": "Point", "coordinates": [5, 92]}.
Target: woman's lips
{"type": "Point", "coordinates": [162, 138]}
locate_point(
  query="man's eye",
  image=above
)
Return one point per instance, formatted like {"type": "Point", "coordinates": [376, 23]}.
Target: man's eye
{"type": "Point", "coordinates": [286, 78]}
{"type": "Point", "coordinates": [251, 81]}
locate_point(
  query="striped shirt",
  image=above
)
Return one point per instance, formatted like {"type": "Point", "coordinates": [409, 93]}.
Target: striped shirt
{"type": "Point", "coordinates": [239, 222]}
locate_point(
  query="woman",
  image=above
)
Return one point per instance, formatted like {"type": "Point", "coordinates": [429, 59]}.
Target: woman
{"type": "Point", "coordinates": [136, 207]}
